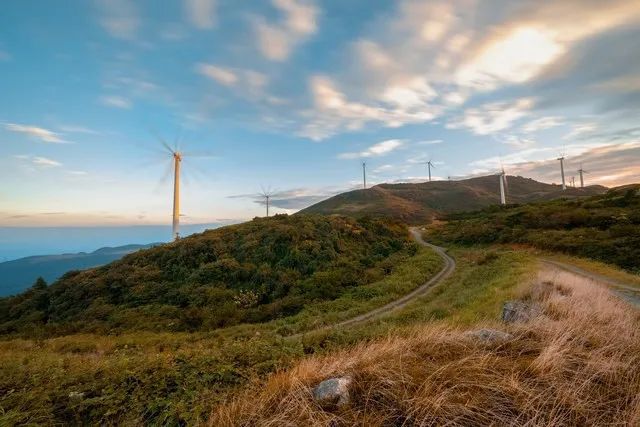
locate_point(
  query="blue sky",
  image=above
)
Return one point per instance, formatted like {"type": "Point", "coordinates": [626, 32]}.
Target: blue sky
{"type": "Point", "coordinates": [294, 94]}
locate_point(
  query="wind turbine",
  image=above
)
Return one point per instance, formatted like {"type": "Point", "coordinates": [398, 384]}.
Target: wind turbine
{"type": "Point", "coordinates": [429, 166]}
{"type": "Point", "coordinates": [581, 171]}
{"type": "Point", "coordinates": [503, 187]}
{"type": "Point", "coordinates": [561, 158]}
{"type": "Point", "coordinates": [267, 194]}
{"type": "Point", "coordinates": [364, 175]}
{"type": "Point", "coordinates": [176, 162]}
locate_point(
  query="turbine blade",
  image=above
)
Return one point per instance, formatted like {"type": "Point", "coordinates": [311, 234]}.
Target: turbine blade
{"type": "Point", "coordinates": [168, 169]}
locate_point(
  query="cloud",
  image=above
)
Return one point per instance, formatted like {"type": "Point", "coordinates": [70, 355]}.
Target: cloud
{"type": "Point", "coordinates": [276, 41]}
{"type": "Point", "coordinates": [334, 113]}
{"type": "Point", "coordinates": [115, 101]}
{"type": "Point", "coordinates": [293, 199]}
{"type": "Point", "coordinates": [542, 124]}
{"type": "Point", "coordinates": [610, 165]}
{"type": "Point", "coordinates": [4, 56]}
{"type": "Point", "coordinates": [78, 129]}
{"type": "Point", "coordinates": [43, 161]}
{"type": "Point", "coordinates": [119, 18]}
{"type": "Point", "coordinates": [38, 161]}
{"type": "Point", "coordinates": [201, 13]}
{"type": "Point", "coordinates": [430, 142]}
{"type": "Point", "coordinates": [379, 149]}
{"type": "Point", "coordinates": [224, 76]}
{"type": "Point", "coordinates": [42, 134]}
{"type": "Point", "coordinates": [493, 117]}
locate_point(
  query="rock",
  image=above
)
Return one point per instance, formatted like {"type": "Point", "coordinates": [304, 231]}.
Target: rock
{"type": "Point", "coordinates": [519, 311]}
{"type": "Point", "coordinates": [333, 392]}
{"type": "Point", "coordinates": [490, 335]}
{"type": "Point", "coordinates": [76, 395]}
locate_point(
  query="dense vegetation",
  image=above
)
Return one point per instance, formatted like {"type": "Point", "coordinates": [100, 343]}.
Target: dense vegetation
{"type": "Point", "coordinates": [604, 227]}
{"type": "Point", "coordinates": [253, 272]}
{"type": "Point", "coordinates": [162, 378]}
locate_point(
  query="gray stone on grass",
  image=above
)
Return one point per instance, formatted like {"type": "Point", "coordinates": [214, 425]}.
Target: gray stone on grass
{"type": "Point", "coordinates": [490, 335]}
{"type": "Point", "coordinates": [333, 392]}
{"type": "Point", "coordinates": [519, 311]}
{"type": "Point", "coordinates": [76, 395]}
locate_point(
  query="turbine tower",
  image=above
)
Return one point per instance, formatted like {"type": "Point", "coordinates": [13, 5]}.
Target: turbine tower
{"type": "Point", "coordinates": [364, 175]}
{"type": "Point", "coordinates": [503, 187]}
{"type": "Point", "coordinates": [429, 166]}
{"type": "Point", "coordinates": [581, 171]}
{"type": "Point", "coordinates": [561, 158]}
{"type": "Point", "coordinates": [267, 194]}
{"type": "Point", "coordinates": [177, 159]}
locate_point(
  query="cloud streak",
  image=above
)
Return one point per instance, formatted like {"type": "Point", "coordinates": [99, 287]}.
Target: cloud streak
{"type": "Point", "coordinates": [44, 135]}
{"type": "Point", "coordinates": [380, 149]}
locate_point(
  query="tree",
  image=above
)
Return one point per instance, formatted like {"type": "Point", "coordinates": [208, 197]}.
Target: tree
{"type": "Point", "coordinates": [40, 284]}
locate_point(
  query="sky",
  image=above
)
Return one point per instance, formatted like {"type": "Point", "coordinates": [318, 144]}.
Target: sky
{"type": "Point", "coordinates": [293, 95]}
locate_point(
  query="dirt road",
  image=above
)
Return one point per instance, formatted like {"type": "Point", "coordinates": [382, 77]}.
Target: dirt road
{"type": "Point", "coordinates": [624, 290]}
{"type": "Point", "coordinates": [447, 269]}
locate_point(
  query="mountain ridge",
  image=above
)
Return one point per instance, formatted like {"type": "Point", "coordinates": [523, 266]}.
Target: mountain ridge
{"type": "Point", "coordinates": [418, 203]}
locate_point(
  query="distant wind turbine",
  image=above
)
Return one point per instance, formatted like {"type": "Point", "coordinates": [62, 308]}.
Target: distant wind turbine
{"type": "Point", "coordinates": [503, 187]}
{"type": "Point", "coordinates": [429, 166]}
{"type": "Point", "coordinates": [581, 171]}
{"type": "Point", "coordinates": [364, 175]}
{"type": "Point", "coordinates": [267, 194]}
{"type": "Point", "coordinates": [561, 158]}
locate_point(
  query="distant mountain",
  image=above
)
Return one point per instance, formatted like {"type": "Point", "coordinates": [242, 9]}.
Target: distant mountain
{"type": "Point", "coordinates": [17, 275]}
{"type": "Point", "coordinates": [419, 203]}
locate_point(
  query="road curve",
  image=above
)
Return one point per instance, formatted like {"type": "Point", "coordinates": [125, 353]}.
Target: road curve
{"type": "Point", "coordinates": [625, 291]}
{"type": "Point", "coordinates": [447, 269]}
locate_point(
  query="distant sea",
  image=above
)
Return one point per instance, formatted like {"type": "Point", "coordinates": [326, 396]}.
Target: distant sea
{"type": "Point", "coordinates": [18, 242]}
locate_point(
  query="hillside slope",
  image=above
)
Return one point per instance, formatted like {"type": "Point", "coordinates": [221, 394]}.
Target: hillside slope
{"type": "Point", "coordinates": [419, 203]}
{"type": "Point", "coordinates": [604, 227]}
{"type": "Point", "coordinates": [252, 272]}
{"type": "Point", "coordinates": [17, 275]}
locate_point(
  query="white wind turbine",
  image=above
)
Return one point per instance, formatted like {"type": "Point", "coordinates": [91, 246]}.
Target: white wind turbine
{"type": "Point", "coordinates": [364, 175]}
{"type": "Point", "coordinates": [581, 171]}
{"type": "Point", "coordinates": [267, 193]}
{"type": "Point", "coordinates": [503, 187]}
{"type": "Point", "coordinates": [176, 162]}
{"type": "Point", "coordinates": [561, 159]}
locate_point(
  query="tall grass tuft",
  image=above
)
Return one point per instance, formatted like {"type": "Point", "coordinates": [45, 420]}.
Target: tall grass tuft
{"type": "Point", "coordinates": [576, 364]}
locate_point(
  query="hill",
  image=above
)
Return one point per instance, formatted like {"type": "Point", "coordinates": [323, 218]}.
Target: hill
{"type": "Point", "coordinates": [252, 272]}
{"type": "Point", "coordinates": [17, 275]}
{"type": "Point", "coordinates": [605, 227]}
{"type": "Point", "coordinates": [422, 202]}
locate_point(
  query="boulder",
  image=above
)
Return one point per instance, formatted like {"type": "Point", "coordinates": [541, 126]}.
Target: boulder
{"type": "Point", "coordinates": [333, 392]}
{"type": "Point", "coordinates": [490, 335]}
{"type": "Point", "coordinates": [519, 311]}
{"type": "Point", "coordinates": [76, 395]}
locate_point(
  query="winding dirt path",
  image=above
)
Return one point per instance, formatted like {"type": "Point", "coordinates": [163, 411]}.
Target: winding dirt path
{"type": "Point", "coordinates": [623, 290]}
{"type": "Point", "coordinates": [447, 269]}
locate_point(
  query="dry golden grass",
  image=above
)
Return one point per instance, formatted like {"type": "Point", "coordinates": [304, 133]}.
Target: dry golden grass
{"type": "Point", "coordinates": [577, 364]}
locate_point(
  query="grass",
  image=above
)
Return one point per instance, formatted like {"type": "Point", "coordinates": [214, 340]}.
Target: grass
{"type": "Point", "coordinates": [576, 364]}
{"type": "Point", "coordinates": [176, 378]}
{"type": "Point", "coordinates": [169, 378]}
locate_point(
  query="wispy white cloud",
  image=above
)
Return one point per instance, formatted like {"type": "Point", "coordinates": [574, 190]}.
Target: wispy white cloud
{"type": "Point", "coordinates": [201, 13]}
{"type": "Point", "coordinates": [44, 135]}
{"type": "Point", "coordinates": [333, 112]}
{"type": "Point", "coordinates": [379, 149]}
{"type": "Point", "coordinates": [44, 161]}
{"type": "Point", "coordinates": [276, 41]}
{"type": "Point", "coordinates": [222, 75]}
{"type": "Point", "coordinates": [119, 18]}
{"type": "Point", "coordinates": [115, 101]}
{"type": "Point", "coordinates": [78, 129]}
{"type": "Point", "coordinates": [430, 142]}
{"type": "Point", "coordinates": [493, 117]}
{"type": "Point", "coordinates": [541, 124]}
{"type": "Point", "coordinates": [38, 160]}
